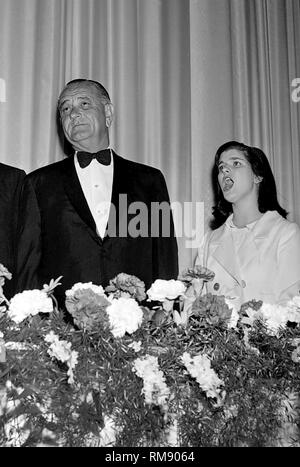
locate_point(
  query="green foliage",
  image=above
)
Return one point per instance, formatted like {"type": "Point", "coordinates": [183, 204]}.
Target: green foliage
{"type": "Point", "coordinates": [259, 376]}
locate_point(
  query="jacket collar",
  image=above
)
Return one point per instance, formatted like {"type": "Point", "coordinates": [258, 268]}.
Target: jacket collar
{"type": "Point", "coordinates": [265, 223]}
{"type": "Point", "coordinates": [75, 194]}
{"type": "Point", "coordinates": [261, 228]}
{"type": "Point", "coordinates": [121, 185]}
{"type": "Point", "coordinates": [222, 248]}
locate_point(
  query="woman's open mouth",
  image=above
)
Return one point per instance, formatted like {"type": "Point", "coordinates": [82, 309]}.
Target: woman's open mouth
{"type": "Point", "coordinates": [227, 183]}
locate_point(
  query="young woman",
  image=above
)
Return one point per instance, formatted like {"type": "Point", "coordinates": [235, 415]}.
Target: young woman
{"type": "Point", "coordinates": [255, 253]}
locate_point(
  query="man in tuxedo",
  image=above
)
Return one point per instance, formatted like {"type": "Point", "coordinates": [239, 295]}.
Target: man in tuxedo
{"type": "Point", "coordinates": [11, 180]}
{"type": "Point", "coordinates": [93, 211]}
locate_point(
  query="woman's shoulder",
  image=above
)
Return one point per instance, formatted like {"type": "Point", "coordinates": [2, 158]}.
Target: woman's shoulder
{"type": "Point", "coordinates": [280, 226]}
{"type": "Point", "coordinates": [272, 224]}
{"type": "Point", "coordinates": [215, 234]}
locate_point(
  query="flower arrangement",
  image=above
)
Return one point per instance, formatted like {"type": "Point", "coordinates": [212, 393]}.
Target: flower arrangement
{"type": "Point", "coordinates": [170, 366]}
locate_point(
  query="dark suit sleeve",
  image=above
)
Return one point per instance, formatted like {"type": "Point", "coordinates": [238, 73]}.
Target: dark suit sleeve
{"type": "Point", "coordinates": [11, 286]}
{"type": "Point", "coordinates": [165, 250]}
{"type": "Point", "coordinates": [29, 239]}
{"type": "Point", "coordinates": [11, 186]}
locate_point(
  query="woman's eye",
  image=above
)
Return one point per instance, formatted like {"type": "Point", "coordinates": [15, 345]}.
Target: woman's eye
{"type": "Point", "coordinates": [85, 104]}
{"type": "Point", "coordinates": [236, 163]}
{"type": "Point", "coordinates": [65, 110]}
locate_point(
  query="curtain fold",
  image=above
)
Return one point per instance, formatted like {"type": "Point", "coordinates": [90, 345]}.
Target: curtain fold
{"type": "Point", "coordinates": [184, 77]}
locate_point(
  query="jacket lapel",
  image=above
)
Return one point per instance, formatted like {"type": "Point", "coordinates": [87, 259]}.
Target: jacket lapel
{"type": "Point", "coordinates": [118, 214]}
{"type": "Point", "coordinates": [263, 227]}
{"type": "Point", "coordinates": [222, 249]}
{"type": "Point", "coordinates": [75, 194]}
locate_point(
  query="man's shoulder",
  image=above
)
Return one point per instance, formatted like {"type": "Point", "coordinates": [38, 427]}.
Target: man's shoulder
{"type": "Point", "coordinates": [9, 170]}
{"type": "Point", "coordinates": [136, 166]}
{"type": "Point", "coordinates": [54, 168]}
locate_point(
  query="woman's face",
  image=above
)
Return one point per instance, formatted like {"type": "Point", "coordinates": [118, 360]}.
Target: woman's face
{"type": "Point", "coordinates": [236, 177]}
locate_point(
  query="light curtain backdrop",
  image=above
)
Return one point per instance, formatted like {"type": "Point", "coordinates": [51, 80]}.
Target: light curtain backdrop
{"type": "Point", "coordinates": [184, 76]}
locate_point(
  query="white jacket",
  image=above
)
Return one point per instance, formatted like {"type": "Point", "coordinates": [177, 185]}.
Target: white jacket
{"type": "Point", "coordinates": [271, 257]}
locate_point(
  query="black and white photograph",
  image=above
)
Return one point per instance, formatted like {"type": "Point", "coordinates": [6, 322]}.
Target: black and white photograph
{"type": "Point", "coordinates": [150, 226]}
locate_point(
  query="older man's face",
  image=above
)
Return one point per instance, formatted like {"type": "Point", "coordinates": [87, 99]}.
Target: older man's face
{"type": "Point", "coordinates": [83, 116]}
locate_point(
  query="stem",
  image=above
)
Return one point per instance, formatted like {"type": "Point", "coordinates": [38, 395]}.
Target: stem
{"type": "Point", "coordinates": [4, 299]}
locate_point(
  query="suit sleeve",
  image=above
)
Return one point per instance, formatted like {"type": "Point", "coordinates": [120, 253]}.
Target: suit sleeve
{"type": "Point", "coordinates": [29, 239]}
{"type": "Point", "coordinates": [16, 181]}
{"type": "Point", "coordinates": [288, 277]}
{"type": "Point", "coordinates": [165, 250]}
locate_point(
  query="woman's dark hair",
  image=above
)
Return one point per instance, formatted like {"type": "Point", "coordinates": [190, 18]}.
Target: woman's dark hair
{"type": "Point", "coordinates": [267, 193]}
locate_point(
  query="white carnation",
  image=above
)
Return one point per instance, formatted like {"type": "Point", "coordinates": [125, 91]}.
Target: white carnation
{"type": "Point", "coordinates": [124, 315]}
{"type": "Point", "coordinates": [98, 289]}
{"type": "Point", "coordinates": [108, 434]}
{"type": "Point", "coordinates": [136, 346]}
{"type": "Point", "coordinates": [15, 427]}
{"type": "Point", "coordinates": [293, 315]}
{"type": "Point", "coordinates": [17, 346]}
{"type": "Point", "coordinates": [295, 301]}
{"type": "Point", "coordinates": [161, 290]}
{"type": "Point", "coordinates": [3, 400]}
{"type": "Point", "coordinates": [274, 317]}
{"type": "Point", "coordinates": [61, 350]}
{"type": "Point", "coordinates": [293, 307]}
{"type": "Point", "coordinates": [234, 313]}
{"type": "Point", "coordinates": [199, 367]}
{"type": "Point", "coordinates": [29, 303]}
{"type": "Point", "coordinates": [252, 314]}
{"type": "Point", "coordinates": [155, 389]}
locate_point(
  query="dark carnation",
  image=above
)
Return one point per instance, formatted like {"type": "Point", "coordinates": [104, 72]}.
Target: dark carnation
{"type": "Point", "coordinates": [88, 310]}
{"type": "Point", "coordinates": [129, 284]}
{"type": "Point", "coordinates": [254, 304]}
{"type": "Point", "coordinates": [197, 272]}
{"type": "Point", "coordinates": [211, 310]}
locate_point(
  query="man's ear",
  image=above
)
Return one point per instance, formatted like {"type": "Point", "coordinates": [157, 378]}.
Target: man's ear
{"type": "Point", "coordinates": [109, 113]}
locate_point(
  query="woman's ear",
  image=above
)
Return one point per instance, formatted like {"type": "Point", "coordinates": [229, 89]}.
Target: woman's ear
{"type": "Point", "coordinates": [257, 178]}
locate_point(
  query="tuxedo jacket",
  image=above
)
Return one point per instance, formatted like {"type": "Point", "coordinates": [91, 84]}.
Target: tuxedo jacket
{"type": "Point", "coordinates": [58, 233]}
{"type": "Point", "coordinates": [271, 256]}
{"type": "Point", "coordinates": [11, 180]}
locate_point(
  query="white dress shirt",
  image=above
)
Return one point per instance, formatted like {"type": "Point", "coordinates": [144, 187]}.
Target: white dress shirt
{"type": "Point", "coordinates": [96, 182]}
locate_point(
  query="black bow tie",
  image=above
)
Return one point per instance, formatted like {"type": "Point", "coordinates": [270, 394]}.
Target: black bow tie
{"type": "Point", "coordinates": [85, 158]}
